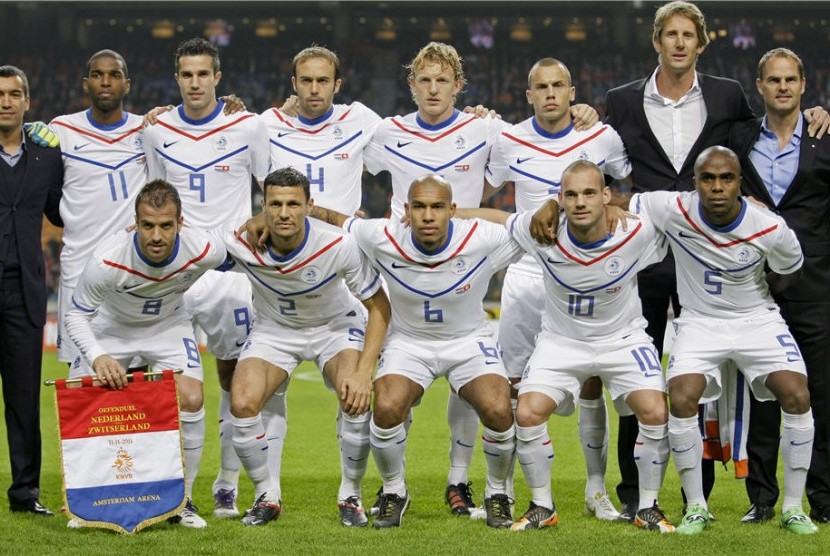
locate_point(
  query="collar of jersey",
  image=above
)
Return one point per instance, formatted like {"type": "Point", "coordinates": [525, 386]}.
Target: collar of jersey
{"type": "Point", "coordinates": [148, 262]}
{"type": "Point", "coordinates": [436, 127]}
{"type": "Point", "coordinates": [216, 111]}
{"type": "Point", "coordinates": [550, 135]}
{"type": "Point", "coordinates": [315, 121]}
{"type": "Point", "coordinates": [723, 229]}
{"type": "Point", "coordinates": [277, 258]}
{"type": "Point", "coordinates": [105, 127]}
{"type": "Point", "coordinates": [590, 245]}
{"type": "Point", "coordinates": [437, 251]}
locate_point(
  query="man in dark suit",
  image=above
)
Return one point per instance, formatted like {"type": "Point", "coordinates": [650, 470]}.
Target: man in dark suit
{"type": "Point", "coordinates": [665, 121]}
{"type": "Point", "coordinates": [30, 185]}
{"type": "Point", "coordinates": [790, 173]}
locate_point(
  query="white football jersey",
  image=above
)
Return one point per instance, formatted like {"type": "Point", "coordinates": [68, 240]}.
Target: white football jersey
{"type": "Point", "coordinates": [210, 161]}
{"type": "Point", "coordinates": [104, 168]}
{"type": "Point", "coordinates": [438, 295]}
{"type": "Point", "coordinates": [720, 270]}
{"type": "Point", "coordinates": [328, 150]}
{"type": "Point", "coordinates": [311, 285]}
{"type": "Point", "coordinates": [534, 160]}
{"type": "Point", "coordinates": [457, 149]}
{"type": "Point", "coordinates": [120, 286]}
{"type": "Point", "coordinates": [591, 289]}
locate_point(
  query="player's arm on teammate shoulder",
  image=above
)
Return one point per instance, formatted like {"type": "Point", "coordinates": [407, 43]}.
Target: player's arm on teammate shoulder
{"type": "Point", "coordinates": [40, 134]}
{"type": "Point", "coordinates": [233, 104]}
{"type": "Point", "coordinates": [545, 222]}
{"type": "Point", "coordinates": [327, 215]}
{"type": "Point", "coordinates": [108, 371]}
{"type": "Point", "coordinates": [584, 116]}
{"type": "Point", "coordinates": [481, 111]}
{"type": "Point", "coordinates": [356, 393]}
{"type": "Point", "coordinates": [818, 121]}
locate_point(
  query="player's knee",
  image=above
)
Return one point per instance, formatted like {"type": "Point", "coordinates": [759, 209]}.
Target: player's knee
{"type": "Point", "coordinates": [527, 416]}
{"type": "Point", "coordinates": [796, 401]}
{"type": "Point", "coordinates": [683, 400]}
{"type": "Point", "coordinates": [388, 413]}
{"type": "Point", "coordinates": [190, 400]}
{"type": "Point", "coordinates": [243, 406]}
{"type": "Point", "coordinates": [497, 416]}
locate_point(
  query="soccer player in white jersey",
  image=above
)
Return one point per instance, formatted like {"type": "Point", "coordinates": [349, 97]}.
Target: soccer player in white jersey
{"type": "Point", "coordinates": [104, 168]}
{"type": "Point", "coordinates": [129, 303]}
{"type": "Point", "coordinates": [592, 325]}
{"type": "Point", "coordinates": [210, 157]}
{"type": "Point", "coordinates": [721, 245]}
{"type": "Point", "coordinates": [533, 155]}
{"type": "Point", "coordinates": [309, 285]}
{"type": "Point", "coordinates": [324, 140]}
{"type": "Point", "coordinates": [437, 273]}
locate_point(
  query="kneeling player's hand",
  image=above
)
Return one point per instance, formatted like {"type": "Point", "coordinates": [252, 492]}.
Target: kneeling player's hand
{"type": "Point", "coordinates": [41, 135]}
{"type": "Point", "coordinates": [355, 394]}
{"type": "Point", "coordinates": [108, 371]}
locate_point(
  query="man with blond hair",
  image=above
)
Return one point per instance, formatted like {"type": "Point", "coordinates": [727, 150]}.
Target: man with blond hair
{"type": "Point", "coordinates": [439, 138]}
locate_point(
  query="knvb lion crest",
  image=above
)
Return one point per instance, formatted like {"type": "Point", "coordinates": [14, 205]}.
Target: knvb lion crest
{"type": "Point", "coordinates": [123, 462]}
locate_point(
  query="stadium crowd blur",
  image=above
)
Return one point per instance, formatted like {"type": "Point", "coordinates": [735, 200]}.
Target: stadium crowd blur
{"type": "Point", "coordinates": [258, 69]}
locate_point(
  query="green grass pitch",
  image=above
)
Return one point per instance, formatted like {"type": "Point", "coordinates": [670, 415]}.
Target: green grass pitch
{"type": "Point", "coordinates": [310, 476]}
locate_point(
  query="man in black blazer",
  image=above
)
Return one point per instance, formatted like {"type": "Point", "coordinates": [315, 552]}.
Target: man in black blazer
{"type": "Point", "coordinates": [790, 172]}
{"type": "Point", "coordinates": [30, 185]}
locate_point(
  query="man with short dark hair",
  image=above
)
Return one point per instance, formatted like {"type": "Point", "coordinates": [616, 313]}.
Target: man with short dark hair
{"type": "Point", "coordinates": [30, 186]}
{"type": "Point", "coordinates": [211, 157]}
{"type": "Point", "coordinates": [311, 285]}
{"type": "Point", "coordinates": [129, 302]}
{"type": "Point", "coordinates": [790, 172]}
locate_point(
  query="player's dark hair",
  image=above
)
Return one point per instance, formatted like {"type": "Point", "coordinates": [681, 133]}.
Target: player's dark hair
{"type": "Point", "coordinates": [12, 71]}
{"type": "Point", "coordinates": [288, 177]}
{"type": "Point", "coordinates": [315, 51]}
{"type": "Point", "coordinates": [198, 47]}
{"type": "Point", "coordinates": [780, 53]}
{"type": "Point", "coordinates": [107, 53]}
{"type": "Point", "coordinates": [157, 194]}
{"type": "Point", "coordinates": [547, 62]}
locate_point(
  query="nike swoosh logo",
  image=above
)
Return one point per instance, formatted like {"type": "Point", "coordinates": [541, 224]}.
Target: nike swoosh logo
{"type": "Point", "coordinates": [491, 362]}
{"type": "Point", "coordinates": [676, 451]}
{"type": "Point", "coordinates": [594, 447]}
{"type": "Point", "coordinates": [627, 336]}
{"type": "Point", "coordinates": [551, 261]}
{"type": "Point", "coordinates": [687, 236]}
{"type": "Point", "coordinates": [649, 375]}
{"type": "Point", "coordinates": [79, 147]}
{"type": "Point", "coordinates": [170, 144]}
{"type": "Point", "coordinates": [521, 160]}
{"type": "Point", "coordinates": [402, 144]}
{"type": "Point", "coordinates": [791, 359]}
{"type": "Point", "coordinates": [464, 445]}
{"type": "Point", "coordinates": [192, 366]}
{"type": "Point", "coordinates": [655, 462]}
{"type": "Point", "coordinates": [240, 344]}
{"type": "Point", "coordinates": [794, 443]}
{"type": "Point", "coordinates": [284, 133]}
{"type": "Point", "coordinates": [396, 265]}
{"type": "Point", "coordinates": [357, 459]}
